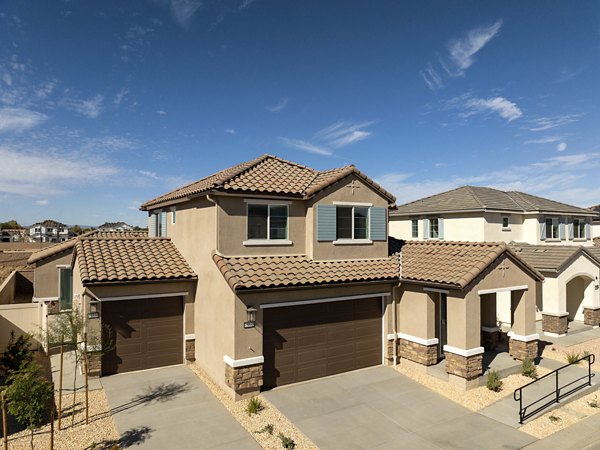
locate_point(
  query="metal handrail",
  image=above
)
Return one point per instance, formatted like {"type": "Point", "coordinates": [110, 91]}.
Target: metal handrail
{"type": "Point", "coordinates": [558, 393]}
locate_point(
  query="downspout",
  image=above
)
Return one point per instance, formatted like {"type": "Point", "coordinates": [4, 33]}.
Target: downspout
{"type": "Point", "coordinates": [214, 201]}
{"type": "Point", "coordinates": [395, 294]}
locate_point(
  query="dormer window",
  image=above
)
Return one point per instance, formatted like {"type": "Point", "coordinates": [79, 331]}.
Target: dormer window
{"type": "Point", "coordinates": [267, 223]}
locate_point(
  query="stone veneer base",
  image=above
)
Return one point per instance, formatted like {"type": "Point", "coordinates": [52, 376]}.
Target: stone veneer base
{"type": "Point", "coordinates": [466, 367]}
{"type": "Point", "coordinates": [94, 365]}
{"type": "Point", "coordinates": [555, 324]}
{"type": "Point", "coordinates": [244, 379]}
{"type": "Point", "coordinates": [521, 350]}
{"type": "Point", "coordinates": [190, 350]}
{"type": "Point", "coordinates": [591, 316]}
{"type": "Point", "coordinates": [426, 355]}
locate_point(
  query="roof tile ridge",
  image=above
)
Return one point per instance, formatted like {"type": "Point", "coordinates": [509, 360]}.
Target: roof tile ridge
{"type": "Point", "coordinates": [553, 201]}
{"type": "Point", "coordinates": [242, 168]}
{"type": "Point", "coordinates": [519, 195]}
{"type": "Point", "coordinates": [474, 195]}
{"type": "Point", "coordinates": [292, 163]}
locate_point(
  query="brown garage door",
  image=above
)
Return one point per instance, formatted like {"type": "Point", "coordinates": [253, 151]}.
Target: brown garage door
{"type": "Point", "coordinates": [312, 341]}
{"type": "Point", "coordinates": [147, 333]}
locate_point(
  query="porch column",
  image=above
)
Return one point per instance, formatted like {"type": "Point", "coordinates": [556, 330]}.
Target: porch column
{"type": "Point", "coordinates": [555, 315]}
{"type": "Point", "coordinates": [489, 322]}
{"type": "Point", "coordinates": [591, 311]}
{"type": "Point", "coordinates": [464, 355]}
{"type": "Point", "coordinates": [523, 342]}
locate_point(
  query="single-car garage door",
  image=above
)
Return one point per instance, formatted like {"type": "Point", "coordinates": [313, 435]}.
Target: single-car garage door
{"type": "Point", "coordinates": [146, 333]}
{"type": "Point", "coordinates": [311, 341]}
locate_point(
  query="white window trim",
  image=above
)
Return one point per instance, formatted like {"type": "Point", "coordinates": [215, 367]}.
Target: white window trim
{"type": "Point", "coordinates": [430, 228]}
{"type": "Point", "coordinates": [412, 235]}
{"type": "Point", "coordinates": [578, 238]}
{"type": "Point", "coordinates": [552, 238]}
{"type": "Point", "coordinates": [353, 204]}
{"type": "Point", "coordinates": [262, 201]}
{"type": "Point", "coordinates": [268, 240]}
{"type": "Point", "coordinates": [352, 240]}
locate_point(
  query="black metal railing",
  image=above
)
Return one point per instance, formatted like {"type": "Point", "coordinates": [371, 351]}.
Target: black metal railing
{"type": "Point", "coordinates": [525, 412]}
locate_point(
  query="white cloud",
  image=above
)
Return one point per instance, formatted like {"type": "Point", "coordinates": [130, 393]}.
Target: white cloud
{"type": "Point", "coordinates": [160, 112]}
{"type": "Point", "coordinates": [561, 147]}
{"type": "Point", "coordinates": [42, 202]}
{"type": "Point", "coordinates": [19, 119]}
{"type": "Point", "coordinates": [229, 131]}
{"type": "Point", "coordinates": [472, 105]}
{"type": "Point", "coordinates": [337, 135]}
{"type": "Point", "coordinates": [279, 106]}
{"type": "Point", "coordinates": [183, 10]}
{"type": "Point", "coordinates": [547, 123]}
{"type": "Point", "coordinates": [462, 51]}
{"type": "Point", "coordinates": [431, 77]}
{"type": "Point", "coordinates": [120, 96]}
{"type": "Point", "coordinates": [544, 140]}
{"type": "Point", "coordinates": [90, 108]}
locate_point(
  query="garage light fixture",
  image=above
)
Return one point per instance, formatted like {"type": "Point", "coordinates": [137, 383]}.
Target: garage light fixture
{"type": "Point", "coordinates": [250, 317]}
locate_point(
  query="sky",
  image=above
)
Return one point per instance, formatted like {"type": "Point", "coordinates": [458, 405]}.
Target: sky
{"type": "Point", "coordinates": [104, 105]}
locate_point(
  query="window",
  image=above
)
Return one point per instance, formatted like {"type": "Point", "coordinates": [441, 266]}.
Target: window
{"type": "Point", "coordinates": [65, 288]}
{"type": "Point", "coordinates": [269, 222]}
{"type": "Point", "coordinates": [352, 222]}
{"type": "Point", "coordinates": [578, 229]}
{"type": "Point", "coordinates": [434, 228]}
{"type": "Point", "coordinates": [505, 223]}
{"type": "Point", "coordinates": [173, 215]}
{"type": "Point", "coordinates": [414, 223]}
{"type": "Point", "coordinates": [552, 228]}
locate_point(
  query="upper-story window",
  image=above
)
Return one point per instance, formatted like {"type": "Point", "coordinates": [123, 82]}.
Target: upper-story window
{"type": "Point", "coordinates": [434, 228]}
{"type": "Point", "coordinates": [65, 288]}
{"type": "Point", "coordinates": [352, 222]}
{"type": "Point", "coordinates": [505, 223]}
{"type": "Point", "coordinates": [414, 228]}
{"type": "Point", "coordinates": [579, 229]}
{"type": "Point", "coordinates": [552, 228]}
{"type": "Point", "coordinates": [267, 222]}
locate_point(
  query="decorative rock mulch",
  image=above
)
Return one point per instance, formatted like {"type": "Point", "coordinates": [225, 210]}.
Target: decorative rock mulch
{"type": "Point", "coordinates": [256, 424]}
{"type": "Point", "coordinates": [559, 352]}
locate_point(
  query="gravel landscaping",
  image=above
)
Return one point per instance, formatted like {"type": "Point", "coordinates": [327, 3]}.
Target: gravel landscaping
{"type": "Point", "coordinates": [257, 424]}
{"type": "Point", "coordinates": [474, 399]}
{"type": "Point", "coordinates": [558, 352]}
{"type": "Point", "coordinates": [100, 431]}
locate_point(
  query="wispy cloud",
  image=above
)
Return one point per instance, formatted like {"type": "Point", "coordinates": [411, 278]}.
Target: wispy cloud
{"type": "Point", "coordinates": [547, 123]}
{"type": "Point", "coordinates": [15, 120]}
{"type": "Point", "coordinates": [90, 108]}
{"type": "Point", "coordinates": [229, 131]}
{"type": "Point", "coordinates": [120, 96]}
{"type": "Point", "coordinates": [41, 202]}
{"type": "Point", "coordinates": [184, 10]}
{"type": "Point", "coordinates": [161, 112]}
{"type": "Point", "coordinates": [469, 106]}
{"type": "Point", "coordinates": [337, 135]}
{"type": "Point", "coordinates": [460, 55]}
{"type": "Point", "coordinates": [544, 140]}
{"type": "Point", "coordinates": [561, 147]}
{"type": "Point", "coordinates": [279, 106]}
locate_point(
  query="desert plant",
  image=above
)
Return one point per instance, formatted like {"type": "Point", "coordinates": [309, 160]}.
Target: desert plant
{"type": "Point", "coordinates": [287, 442]}
{"type": "Point", "coordinates": [268, 428]}
{"type": "Point", "coordinates": [594, 403]}
{"type": "Point", "coordinates": [29, 397]}
{"type": "Point", "coordinates": [16, 355]}
{"type": "Point", "coordinates": [572, 357]}
{"type": "Point", "coordinates": [493, 382]}
{"type": "Point", "coordinates": [254, 406]}
{"type": "Point", "coordinates": [554, 419]}
{"type": "Point", "coordinates": [528, 369]}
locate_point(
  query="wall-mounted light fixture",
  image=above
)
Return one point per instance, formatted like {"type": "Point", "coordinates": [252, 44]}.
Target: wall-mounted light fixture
{"type": "Point", "coordinates": [93, 313]}
{"type": "Point", "coordinates": [250, 317]}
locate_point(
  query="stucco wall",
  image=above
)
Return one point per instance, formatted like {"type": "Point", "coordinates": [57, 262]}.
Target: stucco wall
{"type": "Point", "coordinates": [20, 319]}
{"type": "Point", "coordinates": [45, 283]}
{"type": "Point", "coordinates": [494, 231]}
{"type": "Point", "coordinates": [416, 311]}
{"type": "Point", "coordinates": [457, 227]}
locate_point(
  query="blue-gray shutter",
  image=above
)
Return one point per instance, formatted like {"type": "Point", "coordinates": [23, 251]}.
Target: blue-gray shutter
{"type": "Point", "coordinates": [571, 230]}
{"type": "Point", "coordinates": [163, 223]}
{"type": "Point", "coordinates": [561, 229]}
{"type": "Point", "coordinates": [588, 230]}
{"type": "Point", "coordinates": [542, 228]}
{"type": "Point", "coordinates": [152, 225]}
{"type": "Point", "coordinates": [378, 223]}
{"type": "Point", "coordinates": [425, 228]}
{"type": "Point", "coordinates": [326, 222]}
{"type": "Point", "coordinates": [441, 228]}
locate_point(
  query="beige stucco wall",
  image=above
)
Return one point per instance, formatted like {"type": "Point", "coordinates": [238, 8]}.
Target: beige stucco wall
{"type": "Point", "coordinates": [457, 227]}
{"type": "Point", "coordinates": [495, 233]}
{"type": "Point", "coordinates": [20, 319]}
{"type": "Point", "coordinates": [341, 192]}
{"type": "Point", "coordinates": [416, 311]}
{"type": "Point", "coordinates": [45, 281]}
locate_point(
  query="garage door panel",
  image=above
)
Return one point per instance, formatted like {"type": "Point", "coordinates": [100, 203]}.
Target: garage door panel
{"type": "Point", "coordinates": [316, 340]}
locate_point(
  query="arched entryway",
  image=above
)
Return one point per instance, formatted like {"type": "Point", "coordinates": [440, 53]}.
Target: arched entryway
{"type": "Point", "coordinates": [580, 291]}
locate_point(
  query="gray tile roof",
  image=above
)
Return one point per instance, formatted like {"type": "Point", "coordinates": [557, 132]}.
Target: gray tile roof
{"type": "Point", "coordinates": [553, 257]}
{"type": "Point", "coordinates": [477, 198]}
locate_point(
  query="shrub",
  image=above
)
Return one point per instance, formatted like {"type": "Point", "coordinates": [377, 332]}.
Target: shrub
{"type": "Point", "coordinates": [254, 406]}
{"type": "Point", "coordinates": [572, 357]}
{"type": "Point", "coordinates": [286, 442]}
{"type": "Point", "coordinates": [493, 383]}
{"type": "Point", "coordinates": [528, 369]}
{"type": "Point", "coordinates": [268, 428]}
{"type": "Point", "coordinates": [554, 419]}
{"type": "Point", "coordinates": [594, 403]}
{"type": "Point", "coordinates": [16, 355]}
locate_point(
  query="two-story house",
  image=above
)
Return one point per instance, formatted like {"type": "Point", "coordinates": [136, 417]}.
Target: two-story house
{"type": "Point", "coordinates": [115, 226]}
{"type": "Point", "coordinates": [539, 229]}
{"type": "Point", "coordinates": [48, 231]}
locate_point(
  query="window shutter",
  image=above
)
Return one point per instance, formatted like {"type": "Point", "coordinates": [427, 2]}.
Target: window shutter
{"type": "Point", "coordinates": [542, 228]}
{"type": "Point", "coordinates": [588, 230]}
{"type": "Point", "coordinates": [561, 229]}
{"type": "Point", "coordinates": [571, 231]}
{"type": "Point", "coordinates": [425, 228]}
{"type": "Point", "coordinates": [163, 223]}
{"type": "Point", "coordinates": [152, 227]}
{"type": "Point", "coordinates": [378, 222]}
{"type": "Point", "coordinates": [441, 228]}
{"type": "Point", "coordinates": [326, 222]}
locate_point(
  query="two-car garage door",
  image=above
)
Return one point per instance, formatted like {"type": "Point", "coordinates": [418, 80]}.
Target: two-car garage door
{"type": "Point", "coordinates": [145, 333]}
{"type": "Point", "coordinates": [315, 340]}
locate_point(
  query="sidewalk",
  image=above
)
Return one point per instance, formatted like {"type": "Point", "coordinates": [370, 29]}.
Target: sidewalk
{"type": "Point", "coordinates": [581, 436]}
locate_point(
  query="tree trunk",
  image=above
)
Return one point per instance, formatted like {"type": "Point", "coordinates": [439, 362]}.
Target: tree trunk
{"type": "Point", "coordinates": [74, 389]}
{"type": "Point", "coordinates": [31, 441]}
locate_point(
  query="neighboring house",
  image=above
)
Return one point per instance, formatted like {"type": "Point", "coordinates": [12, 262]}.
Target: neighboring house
{"type": "Point", "coordinates": [596, 221]}
{"type": "Point", "coordinates": [270, 273]}
{"type": "Point", "coordinates": [14, 235]}
{"type": "Point", "coordinates": [115, 226]}
{"type": "Point", "coordinates": [571, 287]}
{"type": "Point", "coordinates": [481, 214]}
{"type": "Point", "coordinates": [49, 231]}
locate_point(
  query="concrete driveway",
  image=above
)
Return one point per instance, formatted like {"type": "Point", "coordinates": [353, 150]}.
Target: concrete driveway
{"type": "Point", "coordinates": [379, 408]}
{"type": "Point", "coordinates": [171, 408]}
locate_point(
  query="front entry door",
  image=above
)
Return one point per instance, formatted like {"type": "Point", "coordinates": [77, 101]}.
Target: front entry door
{"type": "Point", "coordinates": [442, 324]}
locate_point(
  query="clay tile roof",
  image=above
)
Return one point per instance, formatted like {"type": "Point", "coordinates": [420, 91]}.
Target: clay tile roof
{"type": "Point", "coordinates": [451, 263]}
{"type": "Point", "coordinates": [121, 259]}
{"type": "Point", "coordinates": [477, 198]}
{"type": "Point", "coordinates": [48, 223]}
{"type": "Point", "coordinates": [553, 257]}
{"type": "Point", "coordinates": [597, 241]}
{"type": "Point", "coordinates": [300, 270]}
{"type": "Point", "coordinates": [69, 244]}
{"type": "Point", "coordinates": [266, 174]}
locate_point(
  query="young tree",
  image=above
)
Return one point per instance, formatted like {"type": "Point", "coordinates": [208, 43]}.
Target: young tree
{"type": "Point", "coordinates": [29, 396]}
{"type": "Point", "coordinates": [16, 355]}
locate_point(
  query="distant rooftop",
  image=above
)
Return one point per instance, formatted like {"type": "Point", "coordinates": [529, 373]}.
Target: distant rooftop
{"type": "Point", "coordinates": [48, 223]}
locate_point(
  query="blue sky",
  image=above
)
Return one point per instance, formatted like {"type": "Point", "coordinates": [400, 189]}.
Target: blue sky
{"type": "Point", "coordinates": [104, 105]}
